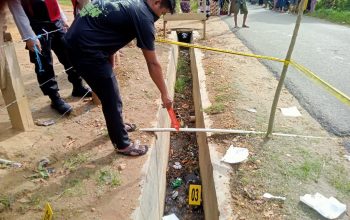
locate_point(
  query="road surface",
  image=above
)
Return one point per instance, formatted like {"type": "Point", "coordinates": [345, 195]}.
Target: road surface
{"type": "Point", "coordinates": [321, 46]}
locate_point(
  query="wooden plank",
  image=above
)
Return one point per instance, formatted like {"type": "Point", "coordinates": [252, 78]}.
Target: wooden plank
{"type": "Point", "coordinates": [185, 16]}
{"type": "Point", "coordinates": [19, 111]}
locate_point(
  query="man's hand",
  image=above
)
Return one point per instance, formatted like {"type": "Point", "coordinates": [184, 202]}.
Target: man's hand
{"type": "Point", "coordinates": [30, 44]}
{"type": "Point", "coordinates": [65, 26]}
{"type": "Point", "coordinates": [167, 102]}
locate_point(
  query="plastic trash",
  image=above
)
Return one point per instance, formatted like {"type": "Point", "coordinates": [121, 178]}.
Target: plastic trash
{"type": "Point", "coordinates": [235, 155]}
{"type": "Point", "coordinates": [174, 194]}
{"type": "Point", "coordinates": [269, 196]}
{"type": "Point", "coordinates": [176, 183]}
{"type": "Point", "coordinates": [290, 112]}
{"type": "Point", "coordinates": [177, 166]}
{"type": "Point", "coordinates": [44, 122]}
{"type": "Point", "coordinates": [10, 163]}
{"type": "Point", "coordinates": [170, 217]}
{"type": "Point", "coordinates": [347, 157]}
{"type": "Point", "coordinates": [329, 208]}
{"type": "Point", "coordinates": [252, 110]}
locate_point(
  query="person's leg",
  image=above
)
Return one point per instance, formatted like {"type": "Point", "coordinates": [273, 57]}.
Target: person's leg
{"type": "Point", "coordinates": [244, 11]}
{"type": "Point", "coordinates": [46, 76]}
{"type": "Point", "coordinates": [235, 18]}
{"type": "Point", "coordinates": [60, 50]}
{"type": "Point", "coordinates": [108, 92]}
{"type": "Point", "coordinates": [244, 20]}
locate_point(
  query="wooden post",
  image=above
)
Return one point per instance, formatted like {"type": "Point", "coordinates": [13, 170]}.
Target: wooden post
{"type": "Point", "coordinates": [204, 29]}
{"type": "Point", "coordinates": [284, 71]}
{"type": "Point", "coordinates": [164, 29]}
{"type": "Point", "coordinates": [13, 89]}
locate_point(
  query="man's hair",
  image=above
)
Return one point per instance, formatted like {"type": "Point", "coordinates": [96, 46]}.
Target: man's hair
{"type": "Point", "coordinates": [170, 4]}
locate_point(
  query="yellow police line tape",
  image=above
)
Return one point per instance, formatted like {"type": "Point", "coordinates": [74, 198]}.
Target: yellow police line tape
{"type": "Point", "coordinates": [331, 89]}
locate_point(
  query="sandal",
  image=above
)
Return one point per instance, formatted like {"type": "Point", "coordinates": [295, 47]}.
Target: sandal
{"type": "Point", "coordinates": [135, 149]}
{"type": "Point", "coordinates": [130, 127]}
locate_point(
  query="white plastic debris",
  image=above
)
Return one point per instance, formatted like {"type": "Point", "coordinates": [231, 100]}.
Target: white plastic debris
{"type": "Point", "coordinates": [174, 194]}
{"type": "Point", "coordinates": [252, 110]}
{"type": "Point", "coordinates": [269, 196]}
{"type": "Point", "coordinates": [177, 166]}
{"type": "Point", "coordinates": [170, 217]}
{"type": "Point", "coordinates": [235, 155]}
{"type": "Point", "coordinates": [329, 208]}
{"type": "Point", "coordinates": [10, 163]}
{"type": "Point", "coordinates": [347, 157]}
{"type": "Point", "coordinates": [291, 112]}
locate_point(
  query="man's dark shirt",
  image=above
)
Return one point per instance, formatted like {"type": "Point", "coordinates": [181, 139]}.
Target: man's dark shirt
{"type": "Point", "coordinates": [105, 26]}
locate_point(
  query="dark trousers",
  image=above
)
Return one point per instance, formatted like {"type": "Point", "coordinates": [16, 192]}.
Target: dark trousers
{"type": "Point", "coordinates": [54, 41]}
{"type": "Point", "coordinates": [103, 82]}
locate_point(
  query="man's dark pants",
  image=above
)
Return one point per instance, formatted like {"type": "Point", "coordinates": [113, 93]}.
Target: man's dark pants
{"type": "Point", "coordinates": [102, 81]}
{"type": "Point", "coordinates": [54, 41]}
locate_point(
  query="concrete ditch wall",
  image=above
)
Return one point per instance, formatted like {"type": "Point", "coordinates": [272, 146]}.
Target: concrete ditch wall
{"type": "Point", "coordinates": [215, 175]}
{"type": "Point", "coordinates": [154, 180]}
{"type": "Point", "coordinates": [210, 204]}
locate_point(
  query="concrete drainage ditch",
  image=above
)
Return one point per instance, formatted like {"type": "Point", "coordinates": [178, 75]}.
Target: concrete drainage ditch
{"type": "Point", "coordinates": [191, 151]}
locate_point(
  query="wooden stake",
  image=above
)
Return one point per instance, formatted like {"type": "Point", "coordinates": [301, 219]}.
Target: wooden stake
{"type": "Point", "coordinates": [13, 91]}
{"type": "Point", "coordinates": [284, 70]}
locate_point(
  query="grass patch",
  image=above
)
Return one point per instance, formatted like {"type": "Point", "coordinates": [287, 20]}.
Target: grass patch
{"type": "Point", "coordinates": [36, 200]}
{"type": "Point", "coordinates": [341, 17]}
{"type": "Point", "coordinates": [75, 161]}
{"type": "Point", "coordinates": [75, 188]}
{"type": "Point", "coordinates": [215, 108]}
{"type": "Point", "coordinates": [183, 66]}
{"type": "Point", "coordinates": [222, 97]}
{"type": "Point", "coordinates": [194, 6]}
{"type": "Point", "coordinates": [338, 178]}
{"type": "Point", "coordinates": [181, 83]}
{"type": "Point", "coordinates": [309, 169]}
{"type": "Point", "coordinates": [109, 177]}
{"type": "Point", "coordinates": [6, 201]}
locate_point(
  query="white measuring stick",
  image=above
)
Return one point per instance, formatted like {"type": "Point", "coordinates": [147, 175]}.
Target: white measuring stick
{"type": "Point", "coordinates": [230, 131]}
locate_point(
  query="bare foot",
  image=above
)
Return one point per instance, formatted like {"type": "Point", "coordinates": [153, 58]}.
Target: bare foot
{"type": "Point", "coordinates": [245, 26]}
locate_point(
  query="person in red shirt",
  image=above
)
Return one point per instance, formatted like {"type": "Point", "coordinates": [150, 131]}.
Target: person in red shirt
{"type": "Point", "coordinates": [34, 18]}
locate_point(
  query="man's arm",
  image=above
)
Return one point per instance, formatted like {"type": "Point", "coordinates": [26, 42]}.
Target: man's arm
{"type": "Point", "coordinates": [155, 71]}
{"type": "Point", "coordinates": [23, 24]}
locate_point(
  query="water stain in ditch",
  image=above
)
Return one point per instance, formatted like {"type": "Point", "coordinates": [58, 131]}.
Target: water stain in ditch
{"type": "Point", "coordinates": [183, 157]}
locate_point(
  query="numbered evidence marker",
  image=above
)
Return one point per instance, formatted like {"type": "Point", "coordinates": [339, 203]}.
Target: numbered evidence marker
{"type": "Point", "coordinates": [48, 212]}
{"type": "Point", "coordinates": [194, 194]}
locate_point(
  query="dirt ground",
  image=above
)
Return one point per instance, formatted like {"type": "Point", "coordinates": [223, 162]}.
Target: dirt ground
{"type": "Point", "coordinates": [90, 181]}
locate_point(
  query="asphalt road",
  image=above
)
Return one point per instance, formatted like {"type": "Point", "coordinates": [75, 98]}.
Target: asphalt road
{"type": "Point", "coordinates": [321, 46]}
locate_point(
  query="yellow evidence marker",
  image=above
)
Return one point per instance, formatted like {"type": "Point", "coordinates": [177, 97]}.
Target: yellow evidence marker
{"type": "Point", "coordinates": [194, 195]}
{"type": "Point", "coordinates": [48, 212]}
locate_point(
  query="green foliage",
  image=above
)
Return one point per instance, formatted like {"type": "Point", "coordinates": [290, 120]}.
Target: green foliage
{"type": "Point", "coordinates": [74, 162]}
{"type": "Point", "coordinates": [181, 83]}
{"type": "Point", "coordinates": [194, 6]}
{"type": "Point", "coordinates": [215, 108]}
{"type": "Point", "coordinates": [109, 177]}
{"type": "Point", "coordinates": [5, 200]}
{"type": "Point", "coordinates": [340, 5]}
{"type": "Point", "coordinates": [309, 169]}
{"type": "Point", "coordinates": [342, 17]}
{"type": "Point", "coordinates": [339, 179]}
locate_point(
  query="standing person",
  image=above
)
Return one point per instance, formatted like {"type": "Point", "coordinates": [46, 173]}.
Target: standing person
{"type": "Point", "coordinates": [33, 18]}
{"type": "Point", "coordinates": [312, 6]}
{"type": "Point", "coordinates": [281, 4]}
{"type": "Point", "coordinates": [239, 6]}
{"type": "Point", "coordinates": [101, 29]}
